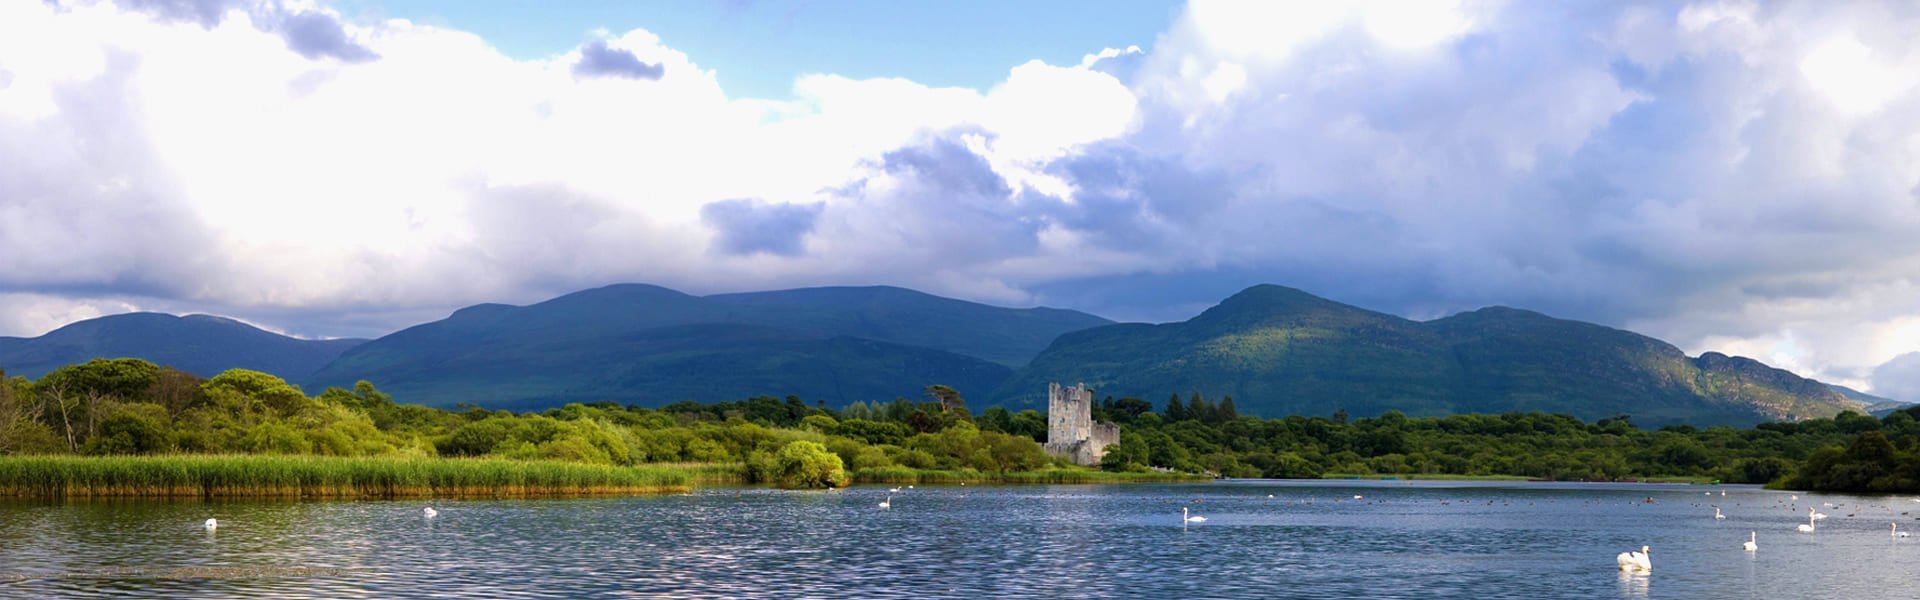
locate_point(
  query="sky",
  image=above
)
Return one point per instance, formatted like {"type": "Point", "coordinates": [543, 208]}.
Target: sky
{"type": "Point", "coordinates": [1727, 176]}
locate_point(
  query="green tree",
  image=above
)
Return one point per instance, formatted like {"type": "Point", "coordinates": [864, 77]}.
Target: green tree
{"type": "Point", "coordinates": [129, 432]}
{"type": "Point", "coordinates": [948, 397]}
{"type": "Point", "coordinates": [804, 464]}
{"type": "Point", "coordinates": [1125, 410]}
{"type": "Point", "coordinates": [1132, 453]}
{"type": "Point", "coordinates": [253, 388]}
{"type": "Point", "coordinates": [1176, 410]}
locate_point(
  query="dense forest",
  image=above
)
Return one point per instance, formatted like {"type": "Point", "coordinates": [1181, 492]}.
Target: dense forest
{"type": "Point", "coordinates": [133, 407]}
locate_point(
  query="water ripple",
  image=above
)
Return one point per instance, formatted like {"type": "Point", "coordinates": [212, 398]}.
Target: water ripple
{"type": "Point", "coordinates": [1400, 540]}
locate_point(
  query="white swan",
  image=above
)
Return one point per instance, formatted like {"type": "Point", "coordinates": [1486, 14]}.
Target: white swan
{"type": "Point", "coordinates": [1819, 516]}
{"type": "Point", "coordinates": [1808, 526]}
{"type": "Point", "coordinates": [1184, 518]}
{"type": "Point", "coordinates": [1717, 516]}
{"type": "Point", "coordinates": [895, 490]}
{"type": "Point", "coordinates": [1753, 541]}
{"type": "Point", "coordinates": [888, 503]}
{"type": "Point", "coordinates": [430, 512]}
{"type": "Point", "coordinates": [212, 524]}
{"type": "Point", "coordinates": [1635, 562]}
{"type": "Point", "coordinates": [1357, 496]}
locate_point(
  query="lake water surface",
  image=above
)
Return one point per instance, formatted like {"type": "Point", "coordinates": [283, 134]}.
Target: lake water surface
{"type": "Point", "coordinates": [1308, 540]}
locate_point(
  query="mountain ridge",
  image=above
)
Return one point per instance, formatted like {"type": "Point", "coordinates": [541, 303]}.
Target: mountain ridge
{"type": "Point", "coordinates": [200, 344]}
{"type": "Point", "coordinates": [1281, 351]}
{"type": "Point", "coordinates": [833, 343]}
{"type": "Point", "coordinates": [1278, 350]}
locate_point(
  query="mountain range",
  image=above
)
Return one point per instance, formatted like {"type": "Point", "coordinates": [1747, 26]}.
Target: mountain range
{"type": "Point", "coordinates": [199, 344]}
{"type": "Point", "coordinates": [651, 345]}
{"type": "Point", "coordinates": [1277, 351]}
{"type": "Point", "coordinates": [1282, 351]}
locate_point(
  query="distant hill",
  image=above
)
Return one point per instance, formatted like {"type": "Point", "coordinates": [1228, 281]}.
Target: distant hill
{"type": "Point", "coordinates": [199, 344]}
{"type": "Point", "coordinates": [1009, 336]}
{"type": "Point", "coordinates": [1859, 398]}
{"type": "Point", "coordinates": [1874, 405]}
{"type": "Point", "coordinates": [1280, 351]}
{"type": "Point", "coordinates": [1883, 409]}
{"type": "Point", "coordinates": [651, 345]}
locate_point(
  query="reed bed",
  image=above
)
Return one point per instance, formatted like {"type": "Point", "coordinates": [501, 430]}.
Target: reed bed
{"type": "Point", "coordinates": [215, 476]}
{"type": "Point", "coordinates": [710, 473]}
{"type": "Point", "coordinates": [1044, 476]}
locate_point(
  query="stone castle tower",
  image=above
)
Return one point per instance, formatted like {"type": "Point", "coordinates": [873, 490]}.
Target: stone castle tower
{"type": "Point", "coordinates": [1071, 432]}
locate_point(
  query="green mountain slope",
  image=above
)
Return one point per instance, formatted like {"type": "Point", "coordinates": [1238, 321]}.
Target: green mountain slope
{"type": "Point", "coordinates": [199, 344]}
{"type": "Point", "coordinates": [1009, 336]}
{"type": "Point", "coordinates": [651, 345]}
{"type": "Point", "coordinates": [1277, 350]}
{"type": "Point", "coordinates": [1280, 351]}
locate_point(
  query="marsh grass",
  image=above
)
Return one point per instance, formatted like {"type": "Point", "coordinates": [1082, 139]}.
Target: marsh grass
{"type": "Point", "coordinates": [710, 473]}
{"type": "Point", "coordinates": [212, 476]}
{"type": "Point", "coordinates": [898, 474]}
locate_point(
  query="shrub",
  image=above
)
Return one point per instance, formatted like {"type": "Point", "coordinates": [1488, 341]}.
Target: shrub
{"type": "Point", "coordinates": [804, 464]}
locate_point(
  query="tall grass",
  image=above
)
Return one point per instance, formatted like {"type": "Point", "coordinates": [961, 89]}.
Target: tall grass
{"type": "Point", "coordinates": [322, 477]}
{"type": "Point", "coordinates": [898, 474]}
{"type": "Point", "coordinates": [710, 473]}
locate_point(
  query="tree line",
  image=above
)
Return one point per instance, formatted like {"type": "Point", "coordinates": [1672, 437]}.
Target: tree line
{"type": "Point", "coordinates": [133, 407]}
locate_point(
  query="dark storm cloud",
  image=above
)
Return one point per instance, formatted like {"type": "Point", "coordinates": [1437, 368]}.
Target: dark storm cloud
{"type": "Point", "coordinates": [1134, 200]}
{"type": "Point", "coordinates": [945, 164]}
{"type": "Point", "coordinates": [319, 35]}
{"type": "Point", "coordinates": [312, 34]}
{"type": "Point", "coordinates": [941, 204]}
{"type": "Point", "coordinates": [744, 226]}
{"type": "Point", "coordinates": [597, 59]}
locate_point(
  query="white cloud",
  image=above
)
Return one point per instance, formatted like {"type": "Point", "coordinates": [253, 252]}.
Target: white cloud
{"type": "Point", "coordinates": [1718, 175]}
{"type": "Point", "coordinates": [1415, 24]}
{"type": "Point", "coordinates": [1850, 75]}
{"type": "Point", "coordinates": [35, 314]}
{"type": "Point", "coordinates": [1899, 378]}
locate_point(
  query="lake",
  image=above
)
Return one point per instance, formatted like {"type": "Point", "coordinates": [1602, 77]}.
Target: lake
{"type": "Point", "coordinates": [1261, 539]}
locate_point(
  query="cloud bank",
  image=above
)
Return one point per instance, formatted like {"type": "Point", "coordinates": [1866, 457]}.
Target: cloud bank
{"type": "Point", "coordinates": [1726, 176]}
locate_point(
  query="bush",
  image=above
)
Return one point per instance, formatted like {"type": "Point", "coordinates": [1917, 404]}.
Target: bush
{"type": "Point", "coordinates": [128, 434]}
{"type": "Point", "coordinates": [804, 464]}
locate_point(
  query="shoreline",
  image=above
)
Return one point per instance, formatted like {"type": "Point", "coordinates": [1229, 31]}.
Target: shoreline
{"type": "Point", "coordinates": [1055, 476]}
{"type": "Point", "coordinates": [280, 476]}
{"type": "Point", "coordinates": [384, 478]}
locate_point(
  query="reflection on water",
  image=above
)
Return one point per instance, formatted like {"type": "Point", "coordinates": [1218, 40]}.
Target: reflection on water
{"type": "Point", "coordinates": [1634, 585]}
{"type": "Point", "coordinates": [1309, 539]}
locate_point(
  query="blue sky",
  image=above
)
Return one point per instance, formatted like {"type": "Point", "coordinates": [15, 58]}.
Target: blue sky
{"type": "Point", "coordinates": [759, 47]}
{"type": "Point", "coordinates": [1724, 175]}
